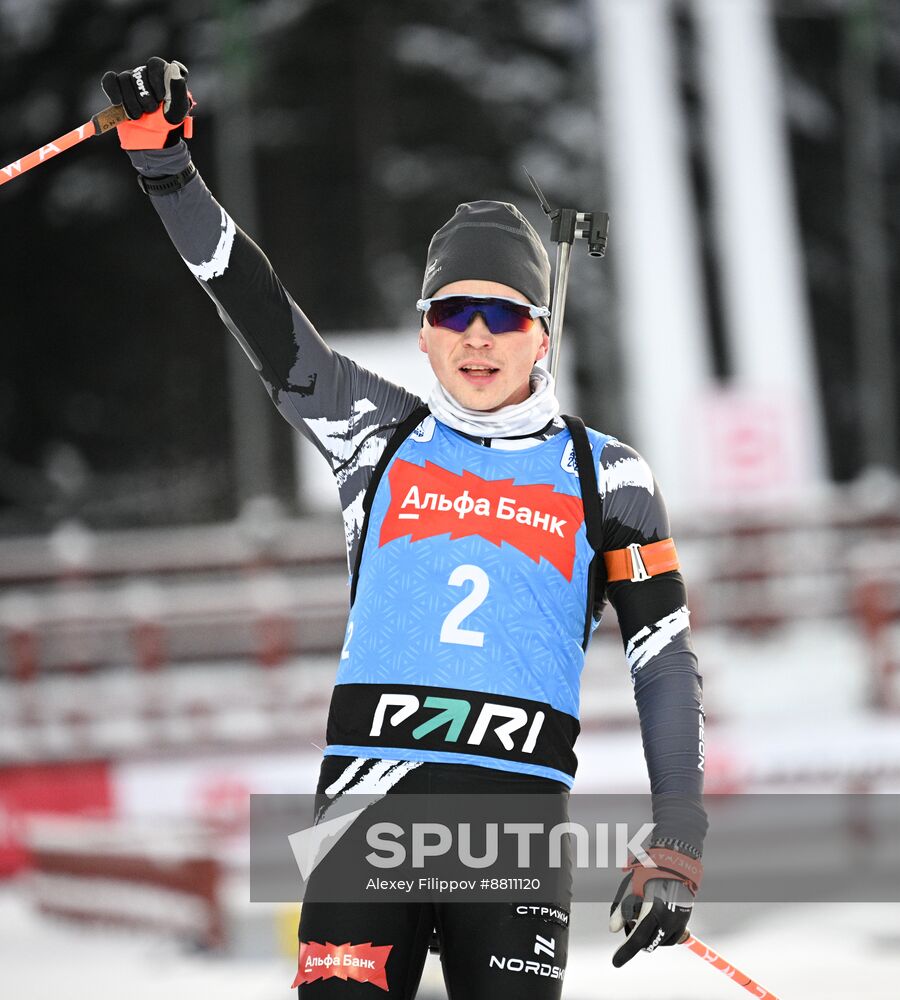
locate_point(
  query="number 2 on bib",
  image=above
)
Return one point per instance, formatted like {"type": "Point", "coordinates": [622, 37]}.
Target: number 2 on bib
{"type": "Point", "coordinates": [450, 630]}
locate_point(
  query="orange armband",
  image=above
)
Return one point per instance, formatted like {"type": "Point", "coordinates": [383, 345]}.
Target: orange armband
{"type": "Point", "coordinates": [640, 562]}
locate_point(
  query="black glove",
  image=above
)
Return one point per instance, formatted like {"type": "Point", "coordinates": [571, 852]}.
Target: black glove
{"type": "Point", "coordinates": [653, 905]}
{"type": "Point", "coordinates": [159, 86]}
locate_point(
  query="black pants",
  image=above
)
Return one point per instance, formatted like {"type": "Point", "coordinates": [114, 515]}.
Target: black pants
{"type": "Point", "coordinates": [489, 951]}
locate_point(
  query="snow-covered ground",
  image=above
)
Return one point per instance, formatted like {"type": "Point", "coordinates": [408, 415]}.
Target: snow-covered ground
{"type": "Point", "coordinates": [798, 952]}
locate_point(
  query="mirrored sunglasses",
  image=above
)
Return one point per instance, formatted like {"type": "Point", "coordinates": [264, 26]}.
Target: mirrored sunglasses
{"type": "Point", "coordinates": [501, 315]}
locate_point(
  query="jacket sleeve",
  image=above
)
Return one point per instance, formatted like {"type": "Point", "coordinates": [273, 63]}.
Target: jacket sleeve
{"type": "Point", "coordinates": [345, 410]}
{"type": "Point", "coordinates": [654, 621]}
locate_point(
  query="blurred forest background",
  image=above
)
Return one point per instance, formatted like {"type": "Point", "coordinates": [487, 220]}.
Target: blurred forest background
{"type": "Point", "coordinates": [340, 135]}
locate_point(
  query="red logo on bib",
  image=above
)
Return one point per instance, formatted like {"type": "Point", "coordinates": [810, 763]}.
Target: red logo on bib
{"type": "Point", "coordinates": [363, 962]}
{"type": "Point", "coordinates": [431, 501]}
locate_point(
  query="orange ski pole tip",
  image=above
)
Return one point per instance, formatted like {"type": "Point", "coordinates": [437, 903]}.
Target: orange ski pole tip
{"type": "Point", "coordinates": [714, 959]}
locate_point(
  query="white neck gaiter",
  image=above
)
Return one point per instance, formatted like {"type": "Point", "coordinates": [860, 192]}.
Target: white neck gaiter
{"type": "Point", "coordinates": [527, 417]}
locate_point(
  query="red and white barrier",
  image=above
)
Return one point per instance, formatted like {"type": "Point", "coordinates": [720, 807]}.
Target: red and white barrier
{"type": "Point", "coordinates": [109, 872]}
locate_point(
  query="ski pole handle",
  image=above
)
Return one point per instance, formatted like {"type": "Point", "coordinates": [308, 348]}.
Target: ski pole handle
{"type": "Point", "coordinates": [108, 118]}
{"type": "Point", "coordinates": [101, 122]}
{"type": "Point", "coordinates": [717, 962]}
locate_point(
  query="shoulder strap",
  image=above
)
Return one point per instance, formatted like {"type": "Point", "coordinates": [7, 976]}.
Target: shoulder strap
{"type": "Point", "coordinates": [401, 433]}
{"type": "Point", "coordinates": [593, 511]}
{"type": "Point", "coordinates": [587, 477]}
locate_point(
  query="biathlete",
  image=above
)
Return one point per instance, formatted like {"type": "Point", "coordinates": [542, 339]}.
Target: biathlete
{"type": "Point", "coordinates": [484, 533]}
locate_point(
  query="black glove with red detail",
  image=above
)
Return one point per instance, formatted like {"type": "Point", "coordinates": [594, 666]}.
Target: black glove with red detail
{"type": "Point", "coordinates": [653, 905]}
{"type": "Point", "coordinates": [156, 99]}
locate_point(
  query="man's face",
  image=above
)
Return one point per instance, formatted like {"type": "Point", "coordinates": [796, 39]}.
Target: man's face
{"type": "Point", "coordinates": [483, 370]}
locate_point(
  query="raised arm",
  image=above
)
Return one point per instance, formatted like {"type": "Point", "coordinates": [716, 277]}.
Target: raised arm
{"type": "Point", "coordinates": [347, 411]}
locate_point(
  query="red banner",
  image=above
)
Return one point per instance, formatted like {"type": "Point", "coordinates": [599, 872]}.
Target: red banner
{"type": "Point", "coordinates": [431, 501]}
{"type": "Point", "coordinates": [82, 788]}
{"type": "Point", "coordinates": [363, 962]}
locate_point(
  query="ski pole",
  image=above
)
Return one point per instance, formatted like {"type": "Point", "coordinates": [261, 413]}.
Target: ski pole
{"type": "Point", "coordinates": [566, 224]}
{"type": "Point", "coordinates": [101, 122]}
{"type": "Point", "coordinates": [717, 962]}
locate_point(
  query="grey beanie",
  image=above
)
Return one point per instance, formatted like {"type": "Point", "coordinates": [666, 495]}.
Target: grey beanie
{"type": "Point", "coordinates": [489, 241]}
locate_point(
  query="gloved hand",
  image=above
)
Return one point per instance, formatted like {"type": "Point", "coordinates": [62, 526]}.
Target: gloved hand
{"type": "Point", "coordinates": [157, 101]}
{"type": "Point", "coordinates": [654, 905]}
